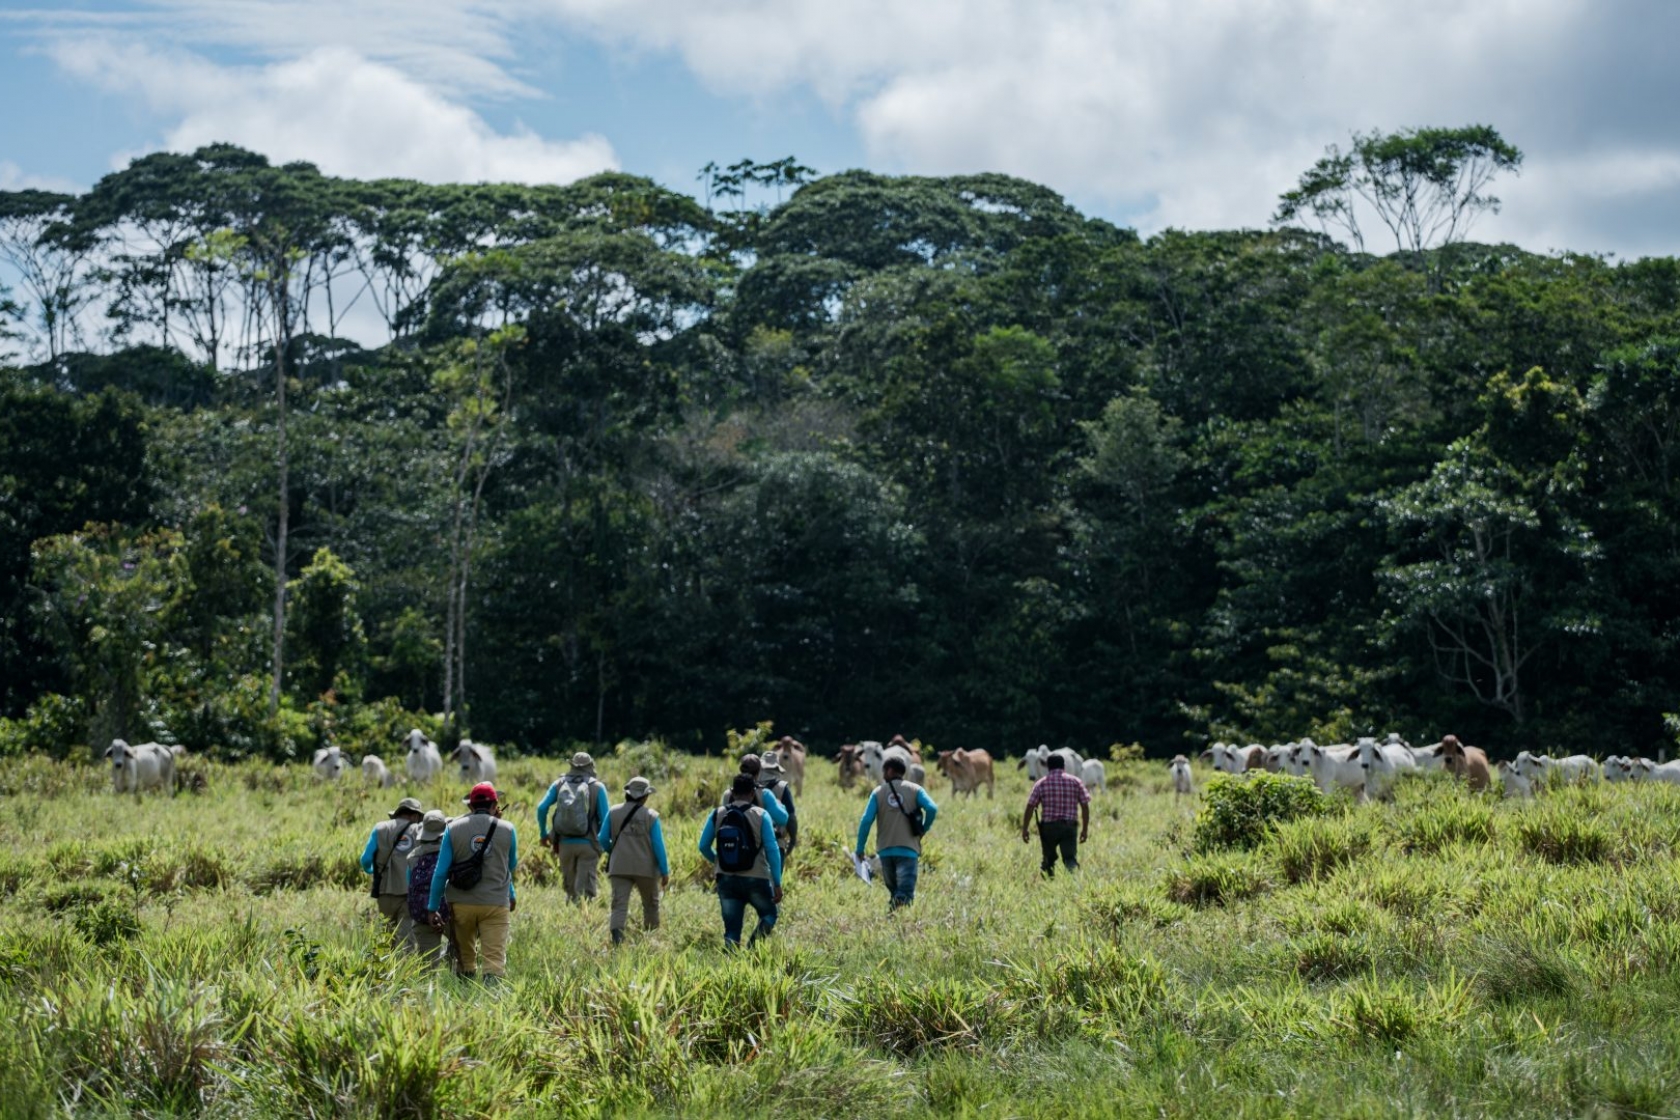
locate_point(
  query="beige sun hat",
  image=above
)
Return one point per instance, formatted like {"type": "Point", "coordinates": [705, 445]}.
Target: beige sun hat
{"type": "Point", "coordinates": [637, 788]}
{"type": "Point", "coordinates": [582, 761]}
{"type": "Point", "coordinates": [408, 805]}
{"type": "Point", "coordinates": [432, 827]}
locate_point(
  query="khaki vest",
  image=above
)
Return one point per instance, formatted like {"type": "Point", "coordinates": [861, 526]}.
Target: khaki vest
{"type": "Point", "coordinates": [392, 841]}
{"type": "Point", "coordinates": [632, 845]}
{"type": "Point", "coordinates": [755, 815]}
{"type": "Point", "coordinates": [466, 833]}
{"type": "Point", "coordinates": [892, 827]}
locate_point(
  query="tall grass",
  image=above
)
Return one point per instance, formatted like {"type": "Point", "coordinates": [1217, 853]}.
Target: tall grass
{"type": "Point", "coordinates": [1444, 954]}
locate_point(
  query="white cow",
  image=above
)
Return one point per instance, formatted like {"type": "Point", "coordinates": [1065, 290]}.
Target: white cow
{"type": "Point", "coordinates": [1094, 774]}
{"type": "Point", "coordinates": [1429, 758]}
{"type": "Point", "coordinates": [424, 762]}
{"type": "Point", "coordinates": [1336, 767]}
{"type": "Point", "coordinates": [329, 764]}
{"type": "Point", "coordinates": [1621, 768]}
{"type": "Point", "coordinates": [1036, 761]}
{"type": "Point", "coordinates": [478, 764]}
{"type": "Point", "coordinates": [1540, 769]}
{"type": "Point", "coordinates": [1661, 772]}
{"type": "Point", "coordinates": [1383, 764]}
{"type": "Point", "coordinates": [375, 771]}
{"type": "Point", "coordinates": [1226, 758]}
{"type": "Point", "coordinates": [1515, 785]}
{"type": "Point", "coordinates": [147, 766]}
{"type": "Point", "coordinates": [1183, 781]}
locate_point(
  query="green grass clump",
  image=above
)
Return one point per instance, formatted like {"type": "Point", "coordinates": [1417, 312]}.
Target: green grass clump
{"type": "Point", "coordinates": [1215, 881]}
{"type": "Point", "coordinates": [1241, 812]}
{"type": "Point", "coordinates": [1455, 820]}
{"type": "Point", "coordinates": [1565, 837]}
{"type": "Point", "coordinates": [1312, 847]}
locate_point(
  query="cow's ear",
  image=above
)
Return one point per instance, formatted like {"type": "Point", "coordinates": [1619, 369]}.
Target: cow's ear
{"type": "Point", "coordinates": [109, 749]}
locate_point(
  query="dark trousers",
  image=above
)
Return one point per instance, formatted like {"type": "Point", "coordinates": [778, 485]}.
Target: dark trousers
{"type": "Point", "coordinates": [735, 894]}
{"type": "Point", "coordinates": [1063, 836]}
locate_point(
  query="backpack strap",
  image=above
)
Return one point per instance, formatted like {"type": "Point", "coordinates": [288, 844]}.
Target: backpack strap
{"type": "Point", "coordinates": [625, 823]}
{"type": "Point", "coordinates": [915, 818]}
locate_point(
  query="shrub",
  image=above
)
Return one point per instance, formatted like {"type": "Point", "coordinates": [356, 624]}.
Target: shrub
{"type": "Point", "coordinates": [1241, 812]}
{"type": "Point", "coordinates": [1214, 882]}
{"type": "Point", "coordinates": [650, 758]}
{"type": "Point", "coordinates": [53, 725]}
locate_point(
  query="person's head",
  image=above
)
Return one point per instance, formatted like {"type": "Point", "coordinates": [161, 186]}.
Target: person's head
{"type": "Point", "coordinates": [893, 768]}
{"type": "Point", "coordinates": [1056, 762]}
{"type": "Point", "coordinates": [750, 765]}
{"type": "Point", "coordinates": [743, 788]}
{"type": "Point", "coordinates": [582, 763]}
{"type": "Point", "coordinates": [638, 788]}
{"type": "Point", "coordinates": [432, 826]}
{"type": "Point", "coordinates": [482, 799]}
{"type": "Point", "coordinates": [408, 809]}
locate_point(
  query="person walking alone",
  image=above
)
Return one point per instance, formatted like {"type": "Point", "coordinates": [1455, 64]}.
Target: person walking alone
{"type": "Point", "coordinates": [474, 874]}
{"type": "Point", "coordinates": [740, 840]}
{"type": "Point", "coordinates": [386, 858]}
{"type": "Point", "coordinates": [579, 802]}
{"type": "Point", "coordinates": [902, 813]}
{"type": "Point", "coordinates": [1064, 815]}
{"type": "Point", "coordinates": [635, 847]}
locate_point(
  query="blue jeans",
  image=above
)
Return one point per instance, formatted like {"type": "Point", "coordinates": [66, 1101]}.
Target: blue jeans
{"type": "Point", "coordinates": [735, 894]}
{"type": "Point", "coordinates": [899, 874]}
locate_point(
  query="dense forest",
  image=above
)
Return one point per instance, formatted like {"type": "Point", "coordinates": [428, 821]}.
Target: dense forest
{"type": "Point", "coordinates": [858, 454]}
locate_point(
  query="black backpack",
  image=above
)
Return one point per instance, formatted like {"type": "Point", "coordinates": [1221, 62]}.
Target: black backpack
{"type": "Point", "coordinates": [737, 841]}
{"type": "Point", "coordinates": [464, 875]}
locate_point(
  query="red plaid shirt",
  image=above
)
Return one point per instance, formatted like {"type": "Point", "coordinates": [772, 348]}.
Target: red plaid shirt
{"type": "Point", "coordinates": [1061, 794]}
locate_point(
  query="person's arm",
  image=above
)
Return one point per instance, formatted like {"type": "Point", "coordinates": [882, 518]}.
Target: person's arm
{"type": "Point", "coordinates": [601, 806]}
{"type": "Point", "coordinates": [440, 875]}
{"type": "Point", "coordinates": [1084, 819]}
{"type": "Point", "coordinates": [778, 815]}
{"type": "Point", "coordinates": [772, 854]}
{"type": "Point", "coordinates": [543, 808]}
{"type": "Point", "coordinates": [793, 816]}
{"type": "Point", "coordinates": [928, 808]}
{"type": "Point", "coordinates": [513, 864]}
{"type": "Point", "coordinates": [604, 837]}
{"type": "Point", "coordinates": [658, 837]}
{"type": "Point", "coordinates": [866, 824]}
{"type": "Point", "coordinates": [1033, 799]}
{"type": "Point", "coordinates": [371, 850]}
{"type": "Point", "coordinates": [706, 836]}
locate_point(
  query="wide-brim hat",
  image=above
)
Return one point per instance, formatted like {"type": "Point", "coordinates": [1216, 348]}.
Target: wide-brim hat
{"type": "Point", "coordinates": [432, 828]}
{"type": "Point", "coordinates": [770, 760]}
{"type": "Point", "coordinates": [637, 788]}
{"type": "Point", "coordinates": [582, 761]}
{"type": "Point", "coordinates": [409, 805]}
{"type": "Point", "coordinates": [482, 794]}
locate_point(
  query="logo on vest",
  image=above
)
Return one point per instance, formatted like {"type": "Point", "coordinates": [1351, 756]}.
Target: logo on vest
{"type": "Point", "coordinates": [405, 843]}
{"type": "Point", "coordinates": [478, 842]}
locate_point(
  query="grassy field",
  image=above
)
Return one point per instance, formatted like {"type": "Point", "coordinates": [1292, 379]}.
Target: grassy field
{"type": "Point", "coordinates": [1444, 955]}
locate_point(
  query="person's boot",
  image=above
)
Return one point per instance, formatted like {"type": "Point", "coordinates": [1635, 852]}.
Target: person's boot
{"type": "Point", "coordinates": [467, 975]}
{"type": "Point", "coordinates": [618, 937]}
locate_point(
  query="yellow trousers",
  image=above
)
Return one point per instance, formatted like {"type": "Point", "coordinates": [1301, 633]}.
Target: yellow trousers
{"type": "Point", "coordinates": [491, 927]}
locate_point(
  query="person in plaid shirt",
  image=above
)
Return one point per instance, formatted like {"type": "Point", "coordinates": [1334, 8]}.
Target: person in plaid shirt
{"type": "Point", "coordinates": [1061, 799]}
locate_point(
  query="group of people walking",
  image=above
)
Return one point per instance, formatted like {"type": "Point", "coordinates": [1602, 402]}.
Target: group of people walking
{"type": "Point", "coordinates": [446, 888]}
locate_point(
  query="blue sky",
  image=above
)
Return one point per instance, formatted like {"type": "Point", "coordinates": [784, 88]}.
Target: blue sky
{"type": "Point", "coordinates": [1153, 113]}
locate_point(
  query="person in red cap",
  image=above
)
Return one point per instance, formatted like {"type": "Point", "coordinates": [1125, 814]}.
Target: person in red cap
{"type": "Point", "coordinates": [474, 874]}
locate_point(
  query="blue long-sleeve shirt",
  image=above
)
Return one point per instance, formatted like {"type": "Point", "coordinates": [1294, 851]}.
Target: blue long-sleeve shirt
{"type": "Point", "coordinates": [657, 836]}
{"type": "Point", "coordinates": [923, 802]}
{"type": "Point", "coordinates": [371, 850]}
{"type": "Point", "coordinates": [767, 843]}
{"type": "Point", "coordinates": [552, 798]}
{"type": "Point", "coordinates": [446, 856]}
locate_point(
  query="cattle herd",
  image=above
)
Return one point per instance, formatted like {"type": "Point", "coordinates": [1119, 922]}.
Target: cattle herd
{"type": "Point", "coordinates": [1366, 768]}
{"type": "Point", "coordinates": [1369, 769]}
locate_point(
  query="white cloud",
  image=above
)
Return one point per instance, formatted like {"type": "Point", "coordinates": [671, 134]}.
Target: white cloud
{"type": "Point", "coordinates": [15, 178]}
{"type": "Point", "coordinates": [348, 114]}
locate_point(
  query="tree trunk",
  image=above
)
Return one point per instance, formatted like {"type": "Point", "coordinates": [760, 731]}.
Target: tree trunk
{"type": "Point", "coordinates": [285, 507]}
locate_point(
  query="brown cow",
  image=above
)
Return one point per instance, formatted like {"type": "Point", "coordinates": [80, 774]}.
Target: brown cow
{"type": "Point", "coordinates": [792, 754]}
{"type": "Point", "coordinates": [851, 765]}
{"type": "Point", "coordinates": [1468, 763]}
{"type": "Point", "coordinates": [1254, 758]}
{"type": "Point", "coordinates": [967, 770]}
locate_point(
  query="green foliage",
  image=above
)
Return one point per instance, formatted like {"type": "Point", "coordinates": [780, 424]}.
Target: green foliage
{"type": "Point", "coordinates": [54, 726]}
{"type": "Point", "coordinates": [324, 631]}
{"type": "Point", "coordinates": [1311, 847]}
{"type": "Point", "coordinates": [1241, 812]}
{"type": "Point", "coordinates": [1215, 881]}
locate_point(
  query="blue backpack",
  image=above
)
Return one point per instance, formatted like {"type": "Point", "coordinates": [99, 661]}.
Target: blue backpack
{"type": "Point", "coordinates": [737, 842]}
{"type": "Point", "coordinates": [420, 885]}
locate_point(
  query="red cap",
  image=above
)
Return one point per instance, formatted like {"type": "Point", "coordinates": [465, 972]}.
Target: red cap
{"type": "Point", "coordinates": [482, 794]}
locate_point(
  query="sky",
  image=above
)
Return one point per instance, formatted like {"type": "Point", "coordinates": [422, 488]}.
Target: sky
{"type": "Point", "coordinates": [1192, 114]}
